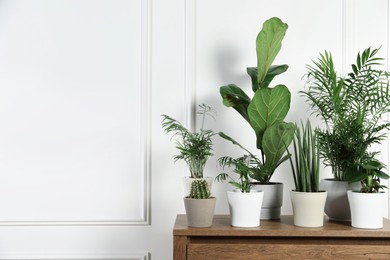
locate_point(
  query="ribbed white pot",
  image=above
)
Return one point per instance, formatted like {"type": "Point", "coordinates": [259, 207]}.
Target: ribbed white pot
{"type": "Point", "coordinates": [245, 208]}
{"type": "Point", "coordinates": [188, 181]}
{"type": "Point", "coordinates": [367, 209]}
{"type": "Point", "coordinates": [337, 206]}
{"type": "Point", "coordinates": [272, 201]}
{"type": "Point", "coordinates": [308, 208]}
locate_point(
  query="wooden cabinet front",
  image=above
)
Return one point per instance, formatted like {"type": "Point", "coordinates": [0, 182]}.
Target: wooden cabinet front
{"type": "Point", "coordinates": [279, 239]}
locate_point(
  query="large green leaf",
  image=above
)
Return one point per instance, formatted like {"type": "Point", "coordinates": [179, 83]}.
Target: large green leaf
{"type": "Point", "coordinates": [268, 106]}
{"type": "Point", "coordinates": [275, 141]}
{"type": "Point", "coordinates": [273, 71]}
{"type": "Point", "coordinates": [235, 97]}
{"type": "Point", "coordinates": [268, 45]}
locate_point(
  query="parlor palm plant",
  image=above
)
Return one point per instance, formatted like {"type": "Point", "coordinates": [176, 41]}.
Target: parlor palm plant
{"type": "Point", "coordinates": [351, 107]}
{"type": "Point", "coordinates": [242, 166]}
{"type": "Point", "coordinates": [195, 148]}
{"type": "Point", "coordinates": [244, 202]}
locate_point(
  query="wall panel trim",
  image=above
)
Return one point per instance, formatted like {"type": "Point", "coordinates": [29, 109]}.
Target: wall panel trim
{"type": "Point", "coordinates": [145, 124]}
{"type": "Point", "coordinates": [190, 63]}
{"type": "Point", "coordinates": [113, 256]}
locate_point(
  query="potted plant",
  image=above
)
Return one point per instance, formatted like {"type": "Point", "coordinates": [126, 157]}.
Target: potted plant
{"type": "Point", "coordinates": [244, 202]}
{"type": "Point", "coordinates": [352, 108]}
{"type": "Point", "coordinates": [307, 199]}
{"type": "Point", "coordinates": [265, 113]}
{"type": "Point", "coordinates": [199, 205]}
{"type": "Point", "coordinates": [195, 148]}
{"type": "Point", "coordinates": [367, 203]}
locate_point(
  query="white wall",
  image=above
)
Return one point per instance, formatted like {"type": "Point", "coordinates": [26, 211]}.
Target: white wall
{"type": "Point", "coordinates": [85, 168]}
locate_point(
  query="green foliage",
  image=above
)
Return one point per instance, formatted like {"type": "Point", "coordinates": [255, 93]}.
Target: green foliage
{"type": "Point", "coordinates": [268, 45]}
{"type": "Point", "coordinates": [306, 164]}
{"type": "Point", "coordinates": [199, 190]}
{"type": "Point", "coordinates": [369, 174]}
{"type": "Point", "coordinates": [195, 148]}
{"type": "Point", "coordinates": [269, 106]}
{"type": "Point", "coordinates": [242, 166]}
{"type": "Point", "coordinates": [352, 108]}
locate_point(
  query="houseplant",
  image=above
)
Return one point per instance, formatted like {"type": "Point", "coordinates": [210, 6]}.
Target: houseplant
{"type": "Point", "coordinates": [199, 204]}
{"type": "Point", "coordinates": [352, 109]}
{"type": "Point", "coordinates": [195, 148]}
{"type": "Point", "coordinates": [265, 112]}
{"type": "Point", "coordinates": [367, 204]}
{"type": "Point", "coordinates": [307, 199]}
{"type": "Point", "coordinates": [244, 202]}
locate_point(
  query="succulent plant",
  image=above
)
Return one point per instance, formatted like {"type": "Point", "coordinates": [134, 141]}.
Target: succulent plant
{"type": "Point", "coordinates": [199, 190]}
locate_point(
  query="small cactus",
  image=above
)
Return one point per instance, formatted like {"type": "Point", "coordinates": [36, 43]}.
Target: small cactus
{"type": "Point", "coordinates": [199, 190]}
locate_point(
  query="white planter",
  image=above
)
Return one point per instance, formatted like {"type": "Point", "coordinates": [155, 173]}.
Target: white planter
{"type": "Point", "coordinates": [245, 208]}
{"type": "Point", "coordinates": [367, 209]}
{"type": "Point", "coordinates": [188, 181]}
{"type": "Point", "coordinates": [337, 206]}
{"type": "Point", "coordinates": [308, 208]}
{"type": "Point", "coordinates": [272, 201]}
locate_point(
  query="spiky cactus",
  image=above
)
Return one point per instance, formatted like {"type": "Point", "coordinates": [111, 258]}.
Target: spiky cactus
{"type": "Point", "coordinates": [199, 190]}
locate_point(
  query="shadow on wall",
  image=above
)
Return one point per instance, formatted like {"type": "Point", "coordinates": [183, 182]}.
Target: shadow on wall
{"type": "Point", "coordinates": [228, 66]}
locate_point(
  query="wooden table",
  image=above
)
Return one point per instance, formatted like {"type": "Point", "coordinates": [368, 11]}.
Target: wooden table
{"type": "Point", "coordinates": [279, 239]}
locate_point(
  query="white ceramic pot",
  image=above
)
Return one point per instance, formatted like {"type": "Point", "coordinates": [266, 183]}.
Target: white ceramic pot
{"type": "Point", "coordinates": [200, 212]}
{"type": "Point", "coordinates": [245, 208]}
{"type": "Point", "coordinates": [308, 208]}
{"type": "Point", "coordinates": [272, 201]}
{"type": "Point", "coordinates": [188, 181]}
{"type": "Point", "coordinates": [337, 206]}
{"type": "Point", "coordinates": [367, 209]}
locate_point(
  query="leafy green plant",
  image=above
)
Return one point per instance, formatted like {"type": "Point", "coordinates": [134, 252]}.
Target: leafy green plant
{"type": "Point", "coordinates": [267, 109]}
{"type": "Point", "coordinates": [199, 190]}
{"type": "Point", "coordinates": [306, 165]}
{"type": "Point", "coordinates": [352, 109]}
{"type": "Point", "coordinates": [369, 174]}
{"type": "Point", "coordinates": [195, 147]}
{"type": "Point", "coordinates": [242, 166]}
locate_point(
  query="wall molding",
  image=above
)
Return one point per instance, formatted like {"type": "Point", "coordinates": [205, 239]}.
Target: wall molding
{"type": "Point", "coordinates": [44, 256]}
{"type": "Point", "coordinates": [145, 124]}
{"type": "Point", "coordinates": [190, 63]}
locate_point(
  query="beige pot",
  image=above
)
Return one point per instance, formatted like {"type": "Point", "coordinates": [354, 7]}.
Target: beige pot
{"type": "Point", "coordinates": [200, 212]}
{"type": "Point", "coordinates": [308, 208]}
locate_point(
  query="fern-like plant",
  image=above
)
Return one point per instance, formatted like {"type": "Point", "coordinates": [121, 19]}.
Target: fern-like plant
{"type": "Point", "coordinates": [199, 190]}
{"type": "Point", "coordinates": [352, 108]}
{"type": "Point", "coordinates": [195, 148]}
{"type": "Point", "coordinates": [369, 173]}
{"type": "Point", "coordinates": [243, 166]}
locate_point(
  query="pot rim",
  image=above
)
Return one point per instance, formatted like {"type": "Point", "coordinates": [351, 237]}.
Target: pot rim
{"type": "Point", "coordinates": [312, 192]}
{"type": "Point", "coordinates": [270, 183]}
{"type": "Point", "coordinates": [368, 193]}
{"type": "Point", "coordinates": [187, 198]}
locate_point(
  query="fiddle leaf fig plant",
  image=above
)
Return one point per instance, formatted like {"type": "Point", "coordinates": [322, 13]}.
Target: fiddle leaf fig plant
{"type": "Point", "coordinates": [266, 111]}
{"type": "Point", "coordinates": [268, 107]}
